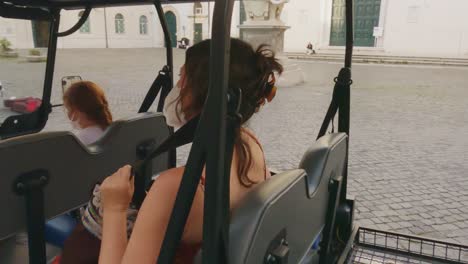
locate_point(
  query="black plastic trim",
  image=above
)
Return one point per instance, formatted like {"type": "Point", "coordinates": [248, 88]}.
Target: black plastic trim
{"type": "Point", "coordinates": [78, 24]}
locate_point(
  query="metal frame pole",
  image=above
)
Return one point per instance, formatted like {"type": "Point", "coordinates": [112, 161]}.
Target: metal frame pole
{"type": "Point", "coordinates": [167, 39]}
{"type": "Point", "coordinates": [46, 107]}
{"type": "Point", "coordinates": [345, 98]}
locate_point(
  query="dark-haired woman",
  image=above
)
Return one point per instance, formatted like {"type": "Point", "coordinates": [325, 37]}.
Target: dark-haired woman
{"type": "Point", "coordinates": [251, 70]}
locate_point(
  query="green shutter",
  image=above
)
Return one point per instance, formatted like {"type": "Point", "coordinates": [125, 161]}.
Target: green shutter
{"type": "Point", "coordinates": [198, 33]}
{"type": "Point", "coordinates": [172, 25]}
{"type": "Point", "coordinates": [366, 17]}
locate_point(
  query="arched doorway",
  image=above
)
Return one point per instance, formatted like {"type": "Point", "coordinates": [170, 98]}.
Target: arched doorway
{"type": "Point", "coordinates": [172, 25]}
{"type": "Point", "coordinates": [40, 30]}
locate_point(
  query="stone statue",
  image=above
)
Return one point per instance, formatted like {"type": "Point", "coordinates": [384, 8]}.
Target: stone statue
{"type": "Point", "coordinates": [264, 11]}
{"type": "Point", "coordinates": [263, 24]}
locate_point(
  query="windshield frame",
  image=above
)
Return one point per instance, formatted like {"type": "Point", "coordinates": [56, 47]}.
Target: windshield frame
{"type": "Point", "coordinates": [22, 124]}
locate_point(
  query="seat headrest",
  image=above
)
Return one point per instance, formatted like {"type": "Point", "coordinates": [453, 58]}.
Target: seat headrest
{"type": "Point", "coordinates": [329, 151]}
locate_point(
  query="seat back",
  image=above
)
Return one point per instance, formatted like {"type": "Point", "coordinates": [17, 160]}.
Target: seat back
{"type": "Point", "coordinates": [289, 208]}
{"type": "Point", "coordinates": [73, 168]}
{"type": "Point", "coordinates": [325, 158]}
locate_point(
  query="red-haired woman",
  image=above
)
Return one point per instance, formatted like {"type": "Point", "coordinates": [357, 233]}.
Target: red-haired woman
{"type": "Point", "coordinates": [88, 110]}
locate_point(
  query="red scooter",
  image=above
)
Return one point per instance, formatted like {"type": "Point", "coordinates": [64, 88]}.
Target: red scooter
{"type": "Point", "coordinates": [23, 105]}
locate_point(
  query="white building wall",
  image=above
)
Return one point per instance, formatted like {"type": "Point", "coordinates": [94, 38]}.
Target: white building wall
{"type": "Point", "coordinates": [131, 38]}
{"type": "Point", "coordinates": [235, 31]}
{"type": "Point", "coordinates": [305, 18]}
{"type": "Point", "coordinates": [187, 20]}
{"type": "Point", "coordinates": [411, 27]}
{"type": "Point", "coordinates": [18, 32]}
{"type": "Point", "coordinates": [426, 27]}
{"type": "Point", "coordinates": [94, 39]}
{"type": "Point", "coordinates": [234, 22]}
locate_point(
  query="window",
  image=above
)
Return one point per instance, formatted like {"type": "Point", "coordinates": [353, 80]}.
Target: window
{"type": "Point", "coordinates": [119, 24]}
{"type": "Point", "coordinates": [143, 25]}
{"type": "Point", "coordinates": [9, 30]}
{"type": "Point", "coordinates": [85, 28]}
{"type": "Point", "coordinates": [413, 14]}
{"type": "Point", "coordinates": [197, 9]}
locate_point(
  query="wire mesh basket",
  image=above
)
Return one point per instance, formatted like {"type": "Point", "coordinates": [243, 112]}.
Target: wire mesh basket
{"type": "Point", "coordinates": [374, 246]}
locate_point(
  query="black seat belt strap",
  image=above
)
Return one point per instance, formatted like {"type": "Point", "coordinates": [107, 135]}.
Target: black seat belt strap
{"type": "Point", "coordinates": [165, 89]}
{"type": "Point", "coordinates": [180, 137]}
{"type": "Point", "coordinates": [221, 230]}
{"type": "Point", "coordinates": [342, 85]}
{"type": "Point", "coordinates": [161, 83]}
{"type": "Point", "coordinates": [189, 183]}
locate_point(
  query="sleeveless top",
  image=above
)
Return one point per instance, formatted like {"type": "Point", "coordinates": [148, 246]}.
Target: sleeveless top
{"type": "Point", "coordinates": [186, 252]}
{"type": "Point", "coordinates": [92, 216]}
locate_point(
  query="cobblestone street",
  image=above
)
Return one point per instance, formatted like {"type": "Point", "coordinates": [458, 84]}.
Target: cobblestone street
{"type": "Point", "coordinates": [409, 129]}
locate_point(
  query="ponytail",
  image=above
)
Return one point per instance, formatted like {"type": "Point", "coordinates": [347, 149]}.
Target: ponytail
{"type": "Point", "coordinates": [88, 98]}
{"type": "Point", "coordinates": [267, 66]}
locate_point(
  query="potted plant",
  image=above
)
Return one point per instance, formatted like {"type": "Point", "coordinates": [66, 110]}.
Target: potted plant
{"type": "Point", "coordinates": [35, 55]}
{"type": "Point", "coordinates": [5, 49]}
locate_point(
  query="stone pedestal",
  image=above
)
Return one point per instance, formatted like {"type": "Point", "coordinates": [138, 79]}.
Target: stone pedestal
{"type": "Point", "coordinates": [264, 26]}
{"type": "Point", "coordinates": [272, 35]}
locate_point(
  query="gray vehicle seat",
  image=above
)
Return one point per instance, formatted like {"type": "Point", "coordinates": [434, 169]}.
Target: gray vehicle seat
{"type": "Point", "coordinates": [73, 168]}
{"type": "Point", "coordinates": [288, 211]}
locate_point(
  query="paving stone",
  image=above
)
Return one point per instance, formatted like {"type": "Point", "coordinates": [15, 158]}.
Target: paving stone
{"type": "Point", "coordinates": [377, 220]}
{"type": "Point", "coordinates": [405, 224]}
{"type": "Point", "coordinates": [416, 230]}
{"type": "Point", "coordinates": [425, 215]}
{"type": "Point", "coordinates": [396, 206]}
{"type": "Point", "coordinates": [406, 205]}
{"type": "Point", "coordinates": [445, 227]}
{"type": "Point", "coordinates": [366, 222]}
{"type": "Point", "coordinates": [366, 215]}
{"type": "Point", "coordinates": [384, 213]}
{"type": "Point", "coordinates": [427, 229]}
{"type": "Point", "coordinates": [428, 221]}
{"type": "Point", "coordinates": [363, 209]}
{"type": "Point", "coordinates": [394, 225]}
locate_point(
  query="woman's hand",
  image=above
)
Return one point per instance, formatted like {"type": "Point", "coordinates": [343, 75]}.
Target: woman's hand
{"type": "Point", "coordinates": [117, 190]}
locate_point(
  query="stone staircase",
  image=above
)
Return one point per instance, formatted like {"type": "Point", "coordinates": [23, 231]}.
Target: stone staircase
{"type": "Point", "coordinates": [380, 59]}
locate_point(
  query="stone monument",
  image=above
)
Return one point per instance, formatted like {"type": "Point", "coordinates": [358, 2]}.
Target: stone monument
{"type": "Point", "coordinates": [263, 24]}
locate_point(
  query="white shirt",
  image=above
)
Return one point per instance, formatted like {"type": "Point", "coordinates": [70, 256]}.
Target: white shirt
{"type": "Point", "coordinates": [90, 134]}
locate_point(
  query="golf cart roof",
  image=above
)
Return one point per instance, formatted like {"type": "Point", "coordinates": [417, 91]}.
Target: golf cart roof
{"type": "Point", "coordinates": [89, 3]}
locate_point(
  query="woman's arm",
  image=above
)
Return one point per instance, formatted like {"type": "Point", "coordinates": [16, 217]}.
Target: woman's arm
{"type": "Point", "coordinates": [151, 223]}
{"type": "Point", "coordinates": [153, 217]}
{"type": "Point", "coordinates": [114, 237]}
{"type": "Point", "coordinates": [116, 194]}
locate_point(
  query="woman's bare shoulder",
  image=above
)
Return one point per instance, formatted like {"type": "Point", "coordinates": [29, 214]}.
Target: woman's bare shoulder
{"type": "Point", "coordinates": [176, 172]}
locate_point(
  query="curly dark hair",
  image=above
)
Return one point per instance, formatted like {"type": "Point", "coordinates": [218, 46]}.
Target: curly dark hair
{"type": "Point", "coordinates": [249, 69]}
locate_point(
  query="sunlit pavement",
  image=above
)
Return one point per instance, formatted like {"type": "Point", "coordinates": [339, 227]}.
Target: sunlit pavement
{"type": "Point", "coordinates": [409, 131]}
